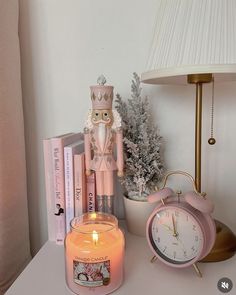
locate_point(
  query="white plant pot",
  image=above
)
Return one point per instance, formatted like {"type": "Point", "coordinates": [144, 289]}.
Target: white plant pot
{"type": "Point", "coordinates": [137, 213]}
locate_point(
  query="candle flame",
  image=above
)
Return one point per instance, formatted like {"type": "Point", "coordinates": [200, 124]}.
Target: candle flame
{"type": "Point", "coordinates": [95, 237]}
{"type": "Point", "coordinates": [93, 215]}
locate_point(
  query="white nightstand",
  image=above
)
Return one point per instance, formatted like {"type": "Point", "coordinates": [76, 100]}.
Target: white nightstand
{"type": "Point", "coordinates": [45, 274]}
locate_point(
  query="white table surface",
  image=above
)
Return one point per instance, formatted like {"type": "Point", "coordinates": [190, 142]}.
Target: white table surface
{"type": "Point", "coordinates": [45, 274]}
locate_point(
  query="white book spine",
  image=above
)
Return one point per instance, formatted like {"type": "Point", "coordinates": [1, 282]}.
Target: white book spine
{"type": "Point", "coordinates": [58, 180]}
{"type": "Point", "coordinates": [57, 149]}
{"type": "Point", "coordinates": [49, 189]}
{"type": "Point", "coordinates": [69, 186]}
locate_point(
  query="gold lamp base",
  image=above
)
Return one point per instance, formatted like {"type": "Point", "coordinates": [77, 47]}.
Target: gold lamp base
{"type": "Point", "coordinates": [225, 244]}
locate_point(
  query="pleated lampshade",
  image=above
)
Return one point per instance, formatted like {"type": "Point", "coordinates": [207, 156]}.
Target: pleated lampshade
{"type": "Point", "coordinates": [194, 41]}
{"type": "Point", "coordinates": [192, 37]}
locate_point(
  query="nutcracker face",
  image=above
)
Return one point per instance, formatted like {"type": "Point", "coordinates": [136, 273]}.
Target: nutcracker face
{"type": "Point", "coordinates": [102, 116]}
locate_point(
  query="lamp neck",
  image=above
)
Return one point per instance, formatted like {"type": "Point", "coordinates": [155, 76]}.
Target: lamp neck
{"type": "Point", "coordinates": [198, 79]}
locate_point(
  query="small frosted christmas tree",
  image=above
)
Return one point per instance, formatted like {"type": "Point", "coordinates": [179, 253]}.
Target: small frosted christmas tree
{"type": "Point", "coordinates": [142, 143]}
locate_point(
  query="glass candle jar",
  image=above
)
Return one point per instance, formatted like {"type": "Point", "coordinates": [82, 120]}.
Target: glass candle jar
{"type": "Point", "coordinates": [94, 254]}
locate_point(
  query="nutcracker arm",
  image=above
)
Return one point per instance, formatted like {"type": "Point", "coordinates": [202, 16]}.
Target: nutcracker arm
{"type": "Point", "coordinates": [87, 149]}
{"type": "Point", "coordinates": [119, 147]}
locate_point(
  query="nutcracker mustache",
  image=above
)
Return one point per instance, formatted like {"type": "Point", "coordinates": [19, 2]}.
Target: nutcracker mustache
{"type": "Point", "coordinates": [116, 122]}
{"type": "Point", "coordinates": [101, 121]}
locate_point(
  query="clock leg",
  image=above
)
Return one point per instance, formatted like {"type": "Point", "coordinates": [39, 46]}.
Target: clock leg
{"type": "Point", "coordinates": [154, 258]}
{"type": "Point", "coordinates": [196, 268]}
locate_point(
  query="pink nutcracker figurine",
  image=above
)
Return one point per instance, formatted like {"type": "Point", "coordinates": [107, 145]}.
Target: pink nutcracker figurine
{"type": "Point", "coordinates": [102, 133]}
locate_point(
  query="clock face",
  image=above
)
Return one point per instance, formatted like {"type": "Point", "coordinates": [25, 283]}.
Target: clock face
{"type": "Point", "coordinates": [175, 235]}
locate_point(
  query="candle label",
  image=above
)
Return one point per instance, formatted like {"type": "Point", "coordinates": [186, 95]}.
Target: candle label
{"type": "Point", "coordinates": [92, 274]}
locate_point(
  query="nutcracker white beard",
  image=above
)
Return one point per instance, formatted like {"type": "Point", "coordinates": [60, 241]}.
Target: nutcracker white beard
{"type": "Point", "coordinates": [102, 135]}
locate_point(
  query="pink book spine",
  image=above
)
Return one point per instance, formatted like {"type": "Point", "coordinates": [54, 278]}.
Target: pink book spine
{"type": "Point", "coordinates": [49, 188]}
{"type": "Point", "coordinates": [79, 184]}
{"type": "Point", "coordinates": [57, 148]}
{"type": "Point", "coordinates": [91, 192]}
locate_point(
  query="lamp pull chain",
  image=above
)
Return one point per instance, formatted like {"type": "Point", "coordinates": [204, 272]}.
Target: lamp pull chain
{"type": "Point", "coordinates": [212, 140]}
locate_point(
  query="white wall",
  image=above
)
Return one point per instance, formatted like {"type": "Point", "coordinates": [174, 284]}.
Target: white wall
{"type": "Point", "coordinates": [65, 45]}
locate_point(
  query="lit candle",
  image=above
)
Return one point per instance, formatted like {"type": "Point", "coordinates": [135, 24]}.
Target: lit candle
{"type": "Point", "coordinates": [95, 237]}
{"type": "Point", "coordinates": [94, 253]}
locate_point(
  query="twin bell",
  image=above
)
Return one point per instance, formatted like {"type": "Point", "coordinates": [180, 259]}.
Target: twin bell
{"type": "Point", "coordinates": [195, 199]}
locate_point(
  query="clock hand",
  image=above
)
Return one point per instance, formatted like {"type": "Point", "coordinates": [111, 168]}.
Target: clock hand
{"type": "Point", "coordinates": [175, 234]}
{"type": "Point", "coordinates": [168, 227]}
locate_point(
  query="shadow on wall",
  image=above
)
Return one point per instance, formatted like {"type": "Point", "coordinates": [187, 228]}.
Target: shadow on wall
{"type": "Point", "coordinates": [30, 73]}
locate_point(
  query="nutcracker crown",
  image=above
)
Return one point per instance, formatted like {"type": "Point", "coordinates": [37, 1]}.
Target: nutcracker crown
{"type": "Point", "coordinates": [101, 95]}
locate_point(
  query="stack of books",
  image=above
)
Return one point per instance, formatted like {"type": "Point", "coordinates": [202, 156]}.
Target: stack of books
{"type": "Point", "coordinates": [69, 192]}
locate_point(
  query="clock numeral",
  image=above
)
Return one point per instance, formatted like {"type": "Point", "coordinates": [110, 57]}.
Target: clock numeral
{"type": "Point", "coordinates": [185, 254]}
{"type": "Point", "coordinates": [174, 254]}
{"type": "Point", "coordinates": [193, 248]}
{"type": "Point", "coordinates": [157, 240]}
{"type": "Point", "coordinates": [164, 250]}
{"type": "Point", "coordinates": [158, 216]}
{"type": "Point", "coordinates": [196, 238]}
{"type": "Point", "coordinates": [177, 213]}
{"type": "Point", "coordinates": [194, 227]}
{"type": "Point", "coordinates": [186, 217]}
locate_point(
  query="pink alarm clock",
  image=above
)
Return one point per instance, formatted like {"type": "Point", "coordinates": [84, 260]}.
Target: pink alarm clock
{"type": "Point", "coordinates": [180, 230]}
